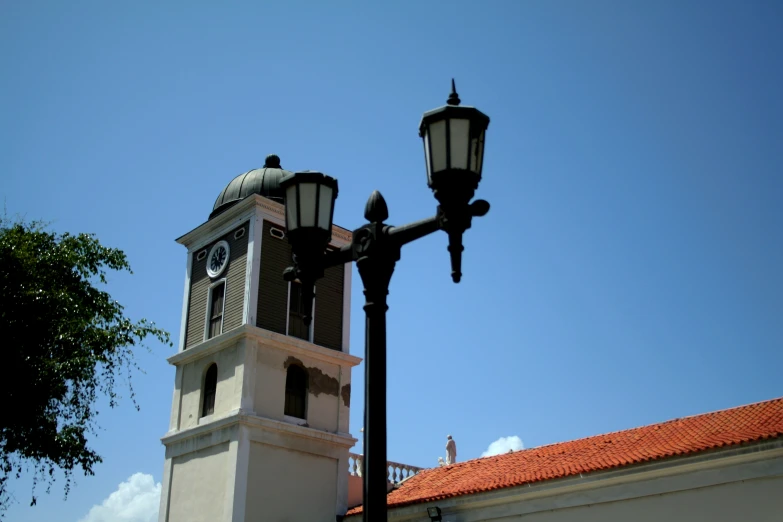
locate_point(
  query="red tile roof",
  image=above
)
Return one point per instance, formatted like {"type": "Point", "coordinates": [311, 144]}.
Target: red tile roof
{"type": "Point", "coordinates": [751, 423]}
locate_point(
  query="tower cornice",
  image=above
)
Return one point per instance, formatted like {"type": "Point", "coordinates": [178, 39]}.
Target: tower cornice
{"type": "Point", "coordinates": [239, 417]}
{"type": "Point", "coordinates": [268, 339]}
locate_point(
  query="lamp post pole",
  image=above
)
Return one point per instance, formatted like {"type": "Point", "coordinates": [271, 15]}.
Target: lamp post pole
{"type": "Point", "coordinates": [376, 246]}
{"type": "Point", "coordinates": [375, 259]}
{"type": "Point", "coordinates": [376, 250]}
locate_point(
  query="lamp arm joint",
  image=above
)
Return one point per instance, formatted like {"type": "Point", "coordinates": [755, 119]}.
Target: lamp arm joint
{"type": "Point", "coordinates": [338, 257]}
{"type": "Point", "coordinates": [412, 231]}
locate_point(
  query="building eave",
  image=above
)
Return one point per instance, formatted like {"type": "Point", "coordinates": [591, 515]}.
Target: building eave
{"type": "Point", "coordinates": [340, 235]}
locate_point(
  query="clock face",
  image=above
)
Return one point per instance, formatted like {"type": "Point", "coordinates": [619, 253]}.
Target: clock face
{"type": "Point", "coordinates": [218, 259]}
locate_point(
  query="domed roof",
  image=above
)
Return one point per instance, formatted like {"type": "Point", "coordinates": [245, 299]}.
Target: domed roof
{"type": "Point", "coordinates": [264, 182]}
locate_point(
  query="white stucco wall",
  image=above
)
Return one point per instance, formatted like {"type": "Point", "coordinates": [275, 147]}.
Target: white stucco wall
{"type": "Point", "coordinates": [251, 378]}
{"type": "Point", "coordinates": [290, 460]}
{"type": "Point", "coordinates": [288, 485]}
{"type": "Point", "coordinates": [228, 393]}
{"type": "Point", "coordinates": [759, 500]}
{"type": "Point", "coordinates": [323, 396]}
{"type": "Point", "coordinates": [198, 485]}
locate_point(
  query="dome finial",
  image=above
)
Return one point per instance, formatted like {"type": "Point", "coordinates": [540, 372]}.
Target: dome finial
{"type": "Point", "coordinates": [453, 97]}
{"type": "Point", "coordinates": [272, 162]}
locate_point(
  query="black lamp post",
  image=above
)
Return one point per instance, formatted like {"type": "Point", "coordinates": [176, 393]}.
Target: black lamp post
{"type": "Point", "coordinates": [454, 152]}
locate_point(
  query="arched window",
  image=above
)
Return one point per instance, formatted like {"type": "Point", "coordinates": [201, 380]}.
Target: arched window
{"type": "Point", "coordinates": [210, 387]}
{"type": "Point", "coordinates": [296, 392]}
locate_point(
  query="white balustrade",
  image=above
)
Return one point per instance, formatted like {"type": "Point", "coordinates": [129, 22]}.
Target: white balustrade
{"type": "Point", "coordinates": [395, 472]}
{"type": "Point", "coordinates": [355, 464]}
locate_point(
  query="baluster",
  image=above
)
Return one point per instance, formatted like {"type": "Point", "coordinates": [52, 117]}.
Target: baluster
{"type": "Point", "coordinates": [360, 465]}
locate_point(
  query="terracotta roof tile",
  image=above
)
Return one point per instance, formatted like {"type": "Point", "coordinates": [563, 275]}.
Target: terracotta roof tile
{"type": "Point", "coordinates": [750, 423]}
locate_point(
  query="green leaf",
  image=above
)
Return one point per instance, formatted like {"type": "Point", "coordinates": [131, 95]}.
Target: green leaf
{"type": "Point", "coordinates": [66, 341]}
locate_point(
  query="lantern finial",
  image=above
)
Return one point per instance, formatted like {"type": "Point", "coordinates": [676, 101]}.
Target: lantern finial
{"type": "Point", "coordinates": [376, 210]}
{"type": "Point", "coordinates": [453, 97]}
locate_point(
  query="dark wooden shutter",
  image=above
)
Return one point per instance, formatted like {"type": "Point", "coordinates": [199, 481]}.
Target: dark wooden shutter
{"type": "Point", "coordinates": [216, 310]}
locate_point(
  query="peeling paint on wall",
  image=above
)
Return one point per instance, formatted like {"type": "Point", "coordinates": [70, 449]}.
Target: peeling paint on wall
{"type": "Point", "coordinates": [292, 360]}
{"type": "Point", "coordinates": [322, 383]}
{"type": "Point", "coordinates": [319, 382]}
{"type": "Point", "coordinates": [345, 393]}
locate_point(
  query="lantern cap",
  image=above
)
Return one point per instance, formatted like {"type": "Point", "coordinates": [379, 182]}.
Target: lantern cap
{"type": "Point", "coordinates": [452, 109]}
{"type": "Point", "coordinates": [447, 112]}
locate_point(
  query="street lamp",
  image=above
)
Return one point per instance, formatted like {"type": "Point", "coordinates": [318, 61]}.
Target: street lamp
{"type": "Point", "coordinates": [454, 153]}
{"type": "Point", "coordinates": [309, 208]}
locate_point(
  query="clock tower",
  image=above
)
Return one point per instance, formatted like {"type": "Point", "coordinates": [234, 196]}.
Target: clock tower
{"type": "Point", "coordinates": [259, 417]}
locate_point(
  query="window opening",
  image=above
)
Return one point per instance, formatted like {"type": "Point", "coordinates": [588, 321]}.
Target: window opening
{"type": "Point", "coordinates": [296, 391]}
{"type": "Point", "coordinates": [216, 308]}
{"type": "Point", "coordinates": [210, 389]}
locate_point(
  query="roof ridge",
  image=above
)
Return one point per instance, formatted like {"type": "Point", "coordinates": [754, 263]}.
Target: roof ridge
{"type": "Point", "coordinates": [721, 410]}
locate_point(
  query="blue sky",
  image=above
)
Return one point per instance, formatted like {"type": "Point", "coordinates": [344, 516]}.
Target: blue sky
{"type": "Point", "coordinates": [628, 272]}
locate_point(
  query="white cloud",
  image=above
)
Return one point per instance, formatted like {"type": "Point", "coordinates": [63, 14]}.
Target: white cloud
{"type": "Point", "coordinates": [136, 500]}
{"type": "Point", "coordinates": [504, 445]}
